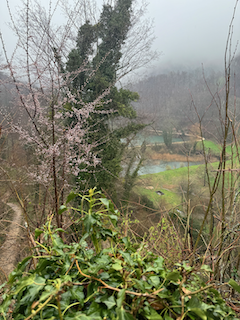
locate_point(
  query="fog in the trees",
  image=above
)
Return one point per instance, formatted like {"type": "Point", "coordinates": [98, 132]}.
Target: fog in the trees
{"type": "Point", "coordinates": [179, 99]}
{"type": "Point", "coordinates": [188, 33]}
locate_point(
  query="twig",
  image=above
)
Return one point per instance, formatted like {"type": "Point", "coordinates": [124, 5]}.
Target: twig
{"type": "Point", "coordinates": [152, 295]}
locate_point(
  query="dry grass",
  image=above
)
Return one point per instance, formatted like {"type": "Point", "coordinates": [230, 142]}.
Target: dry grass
{"type": "Point", "coordinates": [174, 157]}
{"type": "Point", "coordinates": [156, 232]}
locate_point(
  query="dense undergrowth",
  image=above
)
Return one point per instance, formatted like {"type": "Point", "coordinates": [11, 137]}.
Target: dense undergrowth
{"type": "Point", "coordinates": [105, 275]}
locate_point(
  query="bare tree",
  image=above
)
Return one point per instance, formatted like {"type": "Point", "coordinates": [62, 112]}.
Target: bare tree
{"type": "Point", "coordinates": [37, 70]}
{"type": "Point", "coordinates": [222, 209]}
{"type": "Point", "coordinates": [58, 143]}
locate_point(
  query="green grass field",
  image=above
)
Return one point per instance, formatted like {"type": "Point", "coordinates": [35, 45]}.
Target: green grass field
{"type": "Point", "coordinates": [173, 183]}
{"type": "Point", "coordinates": [168, 182]}
{"type": "Point", "coordinates": [215, 148]}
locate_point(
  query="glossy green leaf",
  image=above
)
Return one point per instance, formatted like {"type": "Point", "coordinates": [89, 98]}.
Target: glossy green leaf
{"type": "Point", "coordinates": [127, 242]}
{"type": "Point", "coordinates": [34, 289]}
{"type": "Point", "coordinates": [94, 310]}
{"type": "Point", "coordinates": [155, 281]}
{"type": "Point", "coordinates": [102, 261]}
{"type": "Point", "coordinates": [48, 290]}
{"type": "Point", "coordinates": [109, 302]}
{"type": "Point", "coordinates": [117, 266]}
{"type": "Point", "coordinates": [82, 316]}
{"type": "Point", "coordinates": [104, 275]}
{"type": "Point", "coordinates": [38, 232]}
{"type": "Point", "coordinates": [199, 312]}
{"type": "Point", "coordinates": [89, 221]}
{"type": "Point", "coordinates": [62, 209]}
{"type": "Point", "coordinates": [65, 299]}
{"type": "Point", "coordinates": [159, 263]}
{"type": "Point", "coordinates": [194, 303]}
{"type": "Point", "coordinates": [141, 285]}
{"type": "Point", "coordinates": [186, 266]}
{"type": "Point", "coordinates": [206, 268]}
{"type": "Point", "coordinates": [123, 315]}
{"type": "Point", "coordinates": [60, 230]}
{"type": "Point", "coordinates": [22, 265]}
{"type": "Point", "coordinates": [120, 297]}
{"type": "Point", "coordinates": [71, 196]}
{"type": "Point", "coordinates": [154, 315]}
{"type": "Point", "coordinates": [27, 281]}
{"type": "Point", "coordinates": [234, 285]}
{"type": "Point", "coordinates": [105, 201]}
{"type": "Point", "coordinates": [173, 276]}
{"type": "Point", "coordinates": [127, 257]}
{"type": "Point", "coordinates": [113, 218]}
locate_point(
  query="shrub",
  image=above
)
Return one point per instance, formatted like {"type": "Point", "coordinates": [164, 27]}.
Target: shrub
{"type": "Point", "coordinates": [83, 281]}
{"type": "Point", "coordinates": [144, 200]}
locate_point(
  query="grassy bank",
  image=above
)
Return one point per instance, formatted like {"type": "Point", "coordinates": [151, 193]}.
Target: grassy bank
{"type": "Point", "coordinates": [180, 152]}
{"type": "Point", "coordinates": [174, 184]}
{"type": "Point", "coordinates": [213, 148]}
{"type": "Point", "coordinates": [167, 182]}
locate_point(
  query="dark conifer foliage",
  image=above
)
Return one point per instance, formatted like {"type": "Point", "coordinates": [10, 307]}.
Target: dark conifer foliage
{"type": "Point", "coordinates": [98, 48]}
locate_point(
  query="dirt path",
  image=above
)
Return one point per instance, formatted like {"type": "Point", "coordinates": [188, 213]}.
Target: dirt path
{"type": "Point", "coordinates": [10, 248]}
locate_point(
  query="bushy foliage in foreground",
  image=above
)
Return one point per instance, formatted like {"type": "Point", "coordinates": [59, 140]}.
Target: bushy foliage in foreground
{"type": "Point", "coordinates": [84, 281]}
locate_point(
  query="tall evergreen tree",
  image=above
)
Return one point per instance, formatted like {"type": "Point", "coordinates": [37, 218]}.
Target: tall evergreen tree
{"type": "Point", "coordinates": [98, 47]}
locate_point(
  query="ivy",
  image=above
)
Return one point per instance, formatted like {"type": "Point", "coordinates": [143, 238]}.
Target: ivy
{"type": "Point", "coordinates": [84, 281]}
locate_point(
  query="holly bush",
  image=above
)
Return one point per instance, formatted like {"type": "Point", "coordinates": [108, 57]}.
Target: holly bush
{"type": "Point", "coordinates": [82, 280]}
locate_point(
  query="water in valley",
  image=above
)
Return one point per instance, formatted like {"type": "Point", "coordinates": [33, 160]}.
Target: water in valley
{"type": "Point", "coordinates": [156, 166]}
{"type": "Point", "coordinates": [155, 139]}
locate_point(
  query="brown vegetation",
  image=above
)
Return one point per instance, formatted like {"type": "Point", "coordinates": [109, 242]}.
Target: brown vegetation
{"type": "Point", "coordinates": [174, 157]}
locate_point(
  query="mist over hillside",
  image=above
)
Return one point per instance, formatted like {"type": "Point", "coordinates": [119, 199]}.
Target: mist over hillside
{"type": "Point", "coordinates": [179, 98]}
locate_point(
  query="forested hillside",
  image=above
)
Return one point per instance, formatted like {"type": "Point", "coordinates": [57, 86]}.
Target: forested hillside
{"type": "Point", "coordinates": [179, 98]}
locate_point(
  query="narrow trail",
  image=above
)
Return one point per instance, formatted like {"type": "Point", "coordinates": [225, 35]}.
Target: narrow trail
{"type": "Point", "coordinates": [10, 248]}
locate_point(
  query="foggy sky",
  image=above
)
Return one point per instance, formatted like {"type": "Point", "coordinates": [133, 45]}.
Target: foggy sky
{"type": "Point", "coordinates": [192, 32]}
{"type": "Point", "coordinates": [188, 32]}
